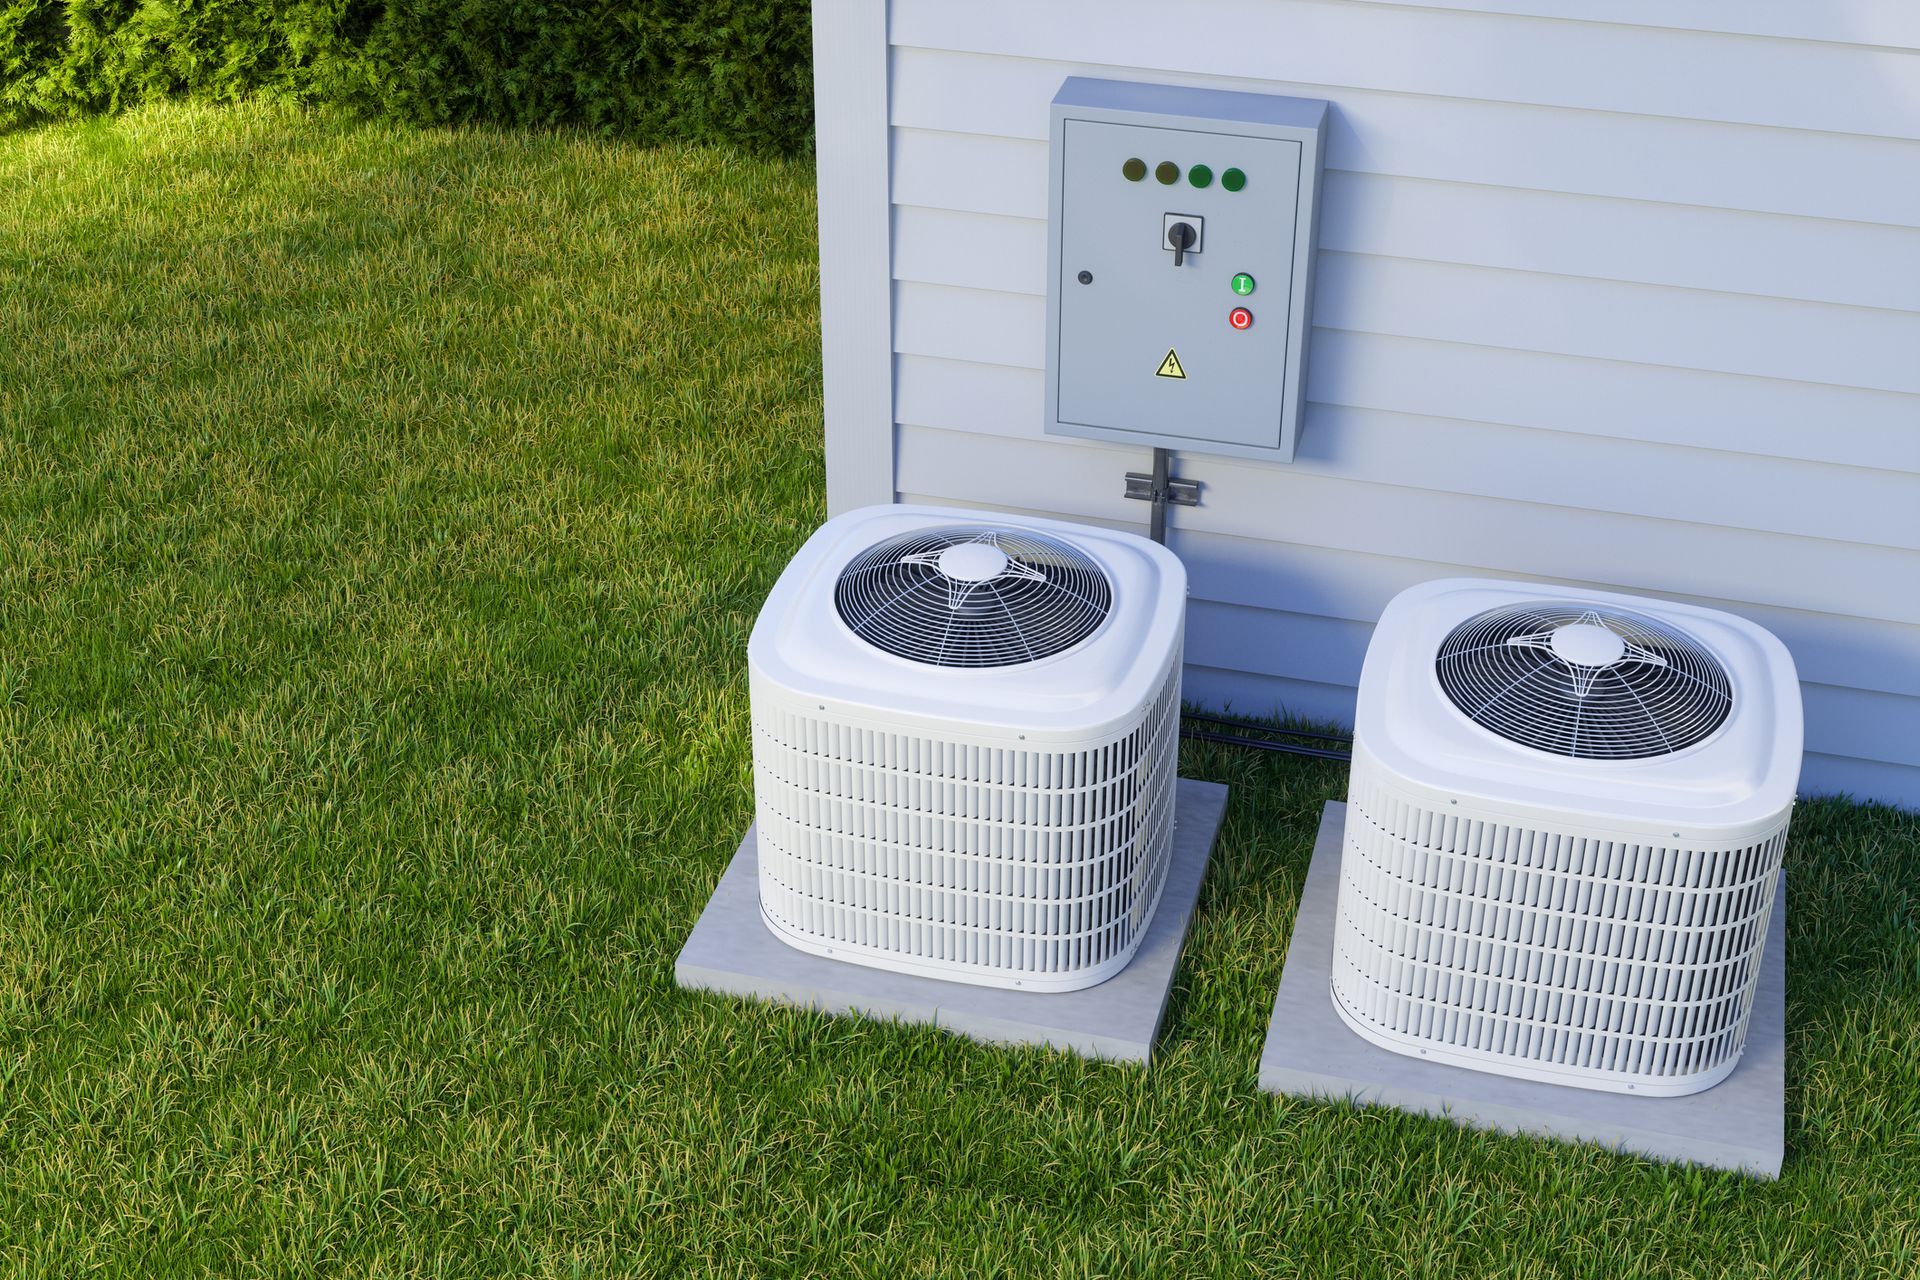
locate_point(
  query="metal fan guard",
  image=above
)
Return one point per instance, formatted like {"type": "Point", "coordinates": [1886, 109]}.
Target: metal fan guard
{"type": "Point", "coordinates": [1665, 691]}
{"type": "Point", "coordinates": [1049, 597]}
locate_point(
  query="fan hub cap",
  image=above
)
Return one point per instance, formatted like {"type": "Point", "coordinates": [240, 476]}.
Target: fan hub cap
{"type": "Point", "coordinates": [973, 562]}
{"type": "Point", "coordinates": [1586, 644]}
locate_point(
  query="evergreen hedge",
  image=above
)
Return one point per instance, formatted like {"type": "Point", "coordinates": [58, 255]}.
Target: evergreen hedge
{"type": "Point", "coordinates": [738, 71]}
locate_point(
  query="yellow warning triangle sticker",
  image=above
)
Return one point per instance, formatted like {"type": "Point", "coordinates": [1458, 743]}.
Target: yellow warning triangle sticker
{"type": "Point", "coordinates": [1170, 367]}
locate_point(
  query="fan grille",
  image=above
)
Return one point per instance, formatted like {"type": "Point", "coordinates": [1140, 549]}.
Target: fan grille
{"type": "Point", "coordinates": [1592, 683]}
{"type": "Point", "coordinates": [974, 608]}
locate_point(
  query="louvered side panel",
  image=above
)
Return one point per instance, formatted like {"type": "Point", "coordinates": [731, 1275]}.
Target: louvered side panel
{"type": "Point", "coordinates": [995, 865]}
{"type": "Point", "coordinates": [1543, 952]}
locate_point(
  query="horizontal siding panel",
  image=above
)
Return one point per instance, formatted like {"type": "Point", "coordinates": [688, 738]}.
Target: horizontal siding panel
{"type": "Point", "coordinates": [1464, 380]}
{"type": "Point", "coordinates": [1893, 24]}
{"type": "Point", "coordinates": [1238, 693]}
{"type": "Point", "coordinates": [1276, 504]}
{"type": "Point", "coordinates": [1512, 310]}
{"type": "Point", "coordinates": [970, 173]}
{"type": "Point", "coordinates": [1272, 638]}
{"type": "Point", "coordinates": [1852, 504]}
{"type": "Point", "coordinates": [1863, 780]}
{"type": "Point", "coordinates": [1356, 587]}
{"type": "Point", "coordinates": [1728, 251]}
{"type": "Point", "coordinates": [1872, 725]}
{"type": "Point", "coordinates": [1268, 642]}
{"type": "Point", "coordinates": [1636, 157]}
{"type": "Point", "coordinates": [1349, 590]}
{"type": "Point", "coordinates": [1612, 398]}
{"type": "Point", "coordinates": [1810, 259]}
{"type": "Point", "coordinates": [970, 324]}
{"type": "Point", "coordinates": [986, 399]}
{"type": "Point", "coordinates": [1686, 75]}
{"type": "Point", "coordinates": [969, 250]}
{"type": "Point", "coordinates": [1302, 578]}
{"type": "Point", "coordinates": [1602, 399]}
{"type": "Point", "coordinates": [1243, 693]}
{"type": "Point", "coordinates": [1611, 320]}
{"type": "Point", "coordinates": [1132, 526]}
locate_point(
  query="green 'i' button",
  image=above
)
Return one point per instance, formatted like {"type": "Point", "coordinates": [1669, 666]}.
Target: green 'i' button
{"type": "Point", "coordinates": [1243, 284]}
{"type": "Point", "coordinates": [1233, 179]}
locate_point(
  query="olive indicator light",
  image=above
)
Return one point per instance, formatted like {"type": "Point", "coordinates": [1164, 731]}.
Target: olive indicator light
{"type": "Point", "coordinates": [1134, 169]}
{"type": "Point", "coordinates": [1168, 172]}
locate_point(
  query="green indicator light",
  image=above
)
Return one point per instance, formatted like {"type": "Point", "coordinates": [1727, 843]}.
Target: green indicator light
{"type": "Point", "coordinates": [1243, 284]}
{"type": "Point", "coordinates": [1168, 172]}
{"type": "Point", "coordinates": [1233, 179]}
{"type": "Point", "coordinates": [1200, 176]}
{"type": "Point", "coordinates": [1134, 169]}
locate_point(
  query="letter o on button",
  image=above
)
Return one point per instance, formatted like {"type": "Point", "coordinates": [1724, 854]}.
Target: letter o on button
{"type": "Point", "coordinates": [1240, 318]}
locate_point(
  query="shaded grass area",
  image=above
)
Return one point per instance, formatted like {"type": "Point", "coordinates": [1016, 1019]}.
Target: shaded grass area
{"type": "Point", "coordinates": [382, 516]}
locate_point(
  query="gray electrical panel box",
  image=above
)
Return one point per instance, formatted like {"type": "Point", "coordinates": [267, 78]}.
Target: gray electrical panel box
{"type": "Point", "coordinates": [1181, 265]}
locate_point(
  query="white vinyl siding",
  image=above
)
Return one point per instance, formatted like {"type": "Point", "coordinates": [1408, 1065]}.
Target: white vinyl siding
{"type": "Point", "coordinates": [1627, 297]}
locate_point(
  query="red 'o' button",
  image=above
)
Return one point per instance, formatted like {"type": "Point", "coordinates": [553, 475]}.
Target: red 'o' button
{"type": "Point", "coordinates": [1240, 318]}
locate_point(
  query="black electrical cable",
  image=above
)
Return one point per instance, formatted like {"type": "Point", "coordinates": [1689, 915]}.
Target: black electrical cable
{"type": "Point", "coordinates": [1265, 744]}
{"type": "Point", "coordinates": [1255, 744]}
{"type": "Point", "coordinates": [1257, 727]}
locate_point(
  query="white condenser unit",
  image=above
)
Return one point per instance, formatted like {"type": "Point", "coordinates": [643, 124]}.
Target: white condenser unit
{"type": "Point", "coordinates": [1564, 828]}
{"type": "Point", "coordinates": [964, 738]}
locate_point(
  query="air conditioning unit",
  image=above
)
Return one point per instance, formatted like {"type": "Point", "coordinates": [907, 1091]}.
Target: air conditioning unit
{"type": "Point", "coordinates": [1564, 828]}
{"type": "Point", "coordinates": [964, 738]}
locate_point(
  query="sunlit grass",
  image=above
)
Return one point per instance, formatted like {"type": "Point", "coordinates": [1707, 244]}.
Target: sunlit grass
{"type": "Point", "coordinates": [382, 516]}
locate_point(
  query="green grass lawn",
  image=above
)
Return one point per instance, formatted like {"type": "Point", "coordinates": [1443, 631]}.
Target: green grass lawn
{"type": "Point", "coordinates": [382, 516]}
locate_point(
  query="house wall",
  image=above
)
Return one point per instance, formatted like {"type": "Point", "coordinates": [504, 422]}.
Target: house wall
{"type": "Point", "coordinates": [1627, 296]}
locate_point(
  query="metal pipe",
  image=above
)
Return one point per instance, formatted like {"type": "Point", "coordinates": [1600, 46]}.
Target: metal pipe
{"type": "Point", "coordinates": [1159, 524]}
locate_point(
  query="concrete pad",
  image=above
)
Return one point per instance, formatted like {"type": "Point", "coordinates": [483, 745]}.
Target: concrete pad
{"type": "Point", "coordinates": [731, 951]}
{"type": "Point", "coordinates": [1739, 1124]}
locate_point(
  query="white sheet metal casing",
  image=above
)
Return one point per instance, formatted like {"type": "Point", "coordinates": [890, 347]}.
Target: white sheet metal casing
{"type": "Point", "coordinates": [1004, 826]}
{"type": "Point", "coordinates": [1596, 923]}
{"type": "Point", "coordinates": [1117, 303]}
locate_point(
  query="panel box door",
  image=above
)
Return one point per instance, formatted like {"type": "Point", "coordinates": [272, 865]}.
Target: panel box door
{"type": "Point", "coordinates": [1180, 266]}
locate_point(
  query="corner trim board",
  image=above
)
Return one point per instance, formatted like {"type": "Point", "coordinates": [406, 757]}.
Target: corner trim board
{"type": "Point", "coordinates": [852, 147]}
